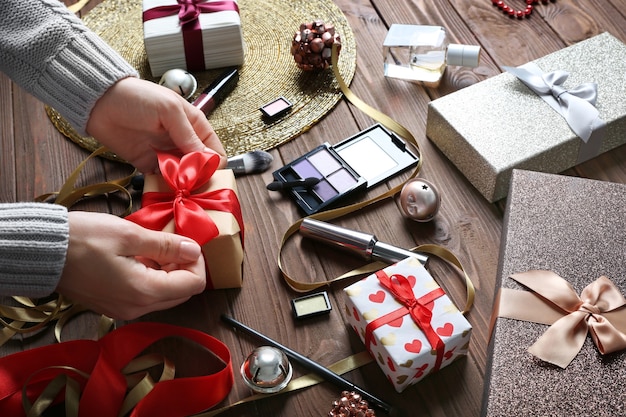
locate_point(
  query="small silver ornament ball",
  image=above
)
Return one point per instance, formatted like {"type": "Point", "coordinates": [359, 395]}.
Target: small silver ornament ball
{"type": "Point", "coordinates": [179, 81]}
{"type": "Point", "coordinates": [266, 370]}
{"type": "Point", "coordinates": [419, 200]}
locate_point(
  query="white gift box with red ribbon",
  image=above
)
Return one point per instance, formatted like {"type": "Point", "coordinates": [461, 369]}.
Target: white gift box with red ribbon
{"type": "Point", "coordinates": [195, 35]}
{"type": "Point", "coordinates": [407, 322]}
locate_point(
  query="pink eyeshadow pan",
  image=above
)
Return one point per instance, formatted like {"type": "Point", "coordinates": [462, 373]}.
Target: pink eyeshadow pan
{"type": "Point", "coordinates": [276, 107]}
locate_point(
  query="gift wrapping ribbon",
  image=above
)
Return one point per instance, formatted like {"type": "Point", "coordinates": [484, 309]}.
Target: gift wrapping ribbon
{"type": "Point", "coordinates": [188, 14]}
{"type": "Point", "coordinates": [600, 311]}
{"type": "Point", "coordinates": [396, 127]}
{"type": "Point", "coordinates": [420, 309]}
{"type": "Point", "coordinates": [101, 366]}
{"type": "Point", "coordinates": [576, 105]}
{"type": "Point", "coordinates": [184, 175]}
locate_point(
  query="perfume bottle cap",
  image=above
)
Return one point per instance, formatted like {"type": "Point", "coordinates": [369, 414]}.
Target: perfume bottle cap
{"type": "Point", "coordinates": [463, 55]}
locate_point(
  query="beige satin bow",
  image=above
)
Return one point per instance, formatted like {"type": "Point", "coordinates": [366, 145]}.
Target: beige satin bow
{"type": "Point", "coordinates": [600, 310]}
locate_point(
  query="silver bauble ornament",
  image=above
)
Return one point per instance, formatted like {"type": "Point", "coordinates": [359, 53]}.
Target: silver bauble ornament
{"type": "Point", "coordinates": [266, 370]}
{"type": "Point", "coordinates": [419, 200]}
{"type": "Point", "coordinates": [180, 81]}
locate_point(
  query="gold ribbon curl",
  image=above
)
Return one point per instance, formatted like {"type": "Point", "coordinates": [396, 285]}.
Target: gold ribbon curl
{"type": "Point", "coordinates": [436, 250]}
{"type": "Point", "coordinates": [32, 315]}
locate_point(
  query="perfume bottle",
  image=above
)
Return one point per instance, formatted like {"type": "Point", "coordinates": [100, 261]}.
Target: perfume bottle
{"type": "Point", "coordinates": [420, 54]}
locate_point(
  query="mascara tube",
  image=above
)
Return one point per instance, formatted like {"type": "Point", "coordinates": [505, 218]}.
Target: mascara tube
{"type": "Point", "coordinates": [363, 244]}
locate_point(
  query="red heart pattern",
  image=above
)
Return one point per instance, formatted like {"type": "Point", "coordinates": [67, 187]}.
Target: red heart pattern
{"type": "Point", "coordinates": [378, 297]}
{"type": "Point", "coordinates": [446, 330]}
{"type": "Point", "coordinates": [415, 346]}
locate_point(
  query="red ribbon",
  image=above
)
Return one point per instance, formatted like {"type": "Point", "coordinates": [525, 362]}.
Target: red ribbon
{"type": "Point", "coordinates": [184, 175]}
{"type": "Point", "coordinates": [188, 12]}
{"type": "Point", "coordinates": [420, 310]}
{"type": "Point", "coordinates": [104, 360]}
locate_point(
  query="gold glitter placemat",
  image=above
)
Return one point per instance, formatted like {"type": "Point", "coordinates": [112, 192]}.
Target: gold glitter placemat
{"type": "Point", "coordinates": [268, 72]}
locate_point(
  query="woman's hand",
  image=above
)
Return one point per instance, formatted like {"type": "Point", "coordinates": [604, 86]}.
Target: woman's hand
{"type": "Point", "coordinates": [117, 268]}
{"type": "Point", "coordinates": [135, 117]}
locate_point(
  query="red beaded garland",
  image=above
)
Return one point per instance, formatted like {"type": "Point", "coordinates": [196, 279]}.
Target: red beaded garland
{"type": "Point", "coordinates": [520, 14]}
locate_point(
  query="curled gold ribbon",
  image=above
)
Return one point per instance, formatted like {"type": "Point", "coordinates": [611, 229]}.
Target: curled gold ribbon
{"type": "Point", "coordinates": [436, 250]}
{"type": "Point", "coordinates": [31, 315]}
{"type": "Point", "coordinates": [600, 311]}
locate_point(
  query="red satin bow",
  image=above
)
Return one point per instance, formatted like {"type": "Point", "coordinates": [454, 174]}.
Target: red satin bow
{"type": "Point", "coordinates": [103, 361]}
{"type": "Point", "coordinates": [183, 176]}
{"type": "Point", "coordinates": [420, 310]}
{"type": "Point", "coordinates": [188, 12]}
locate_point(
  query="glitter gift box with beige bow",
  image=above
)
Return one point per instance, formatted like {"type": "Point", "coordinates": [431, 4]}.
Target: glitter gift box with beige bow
{"type": "Point", "coordinates": [549, 123]}
{"type": "Point", "coordinates": [557, 346]}
{"type": "Point", "coordinates": [407, 322]}
{"type": "Point", "coordinates": [192, 34]}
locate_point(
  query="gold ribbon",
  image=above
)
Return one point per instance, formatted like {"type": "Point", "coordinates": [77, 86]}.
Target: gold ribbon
{"type": "Point", "coordinates": [340, 367]}
{"type": "Point", "coordinates": [31, 315]}
{"type": "Point", "coordinates": [436, 250]}
{"type": "Point", "coordinates": [600, 311]}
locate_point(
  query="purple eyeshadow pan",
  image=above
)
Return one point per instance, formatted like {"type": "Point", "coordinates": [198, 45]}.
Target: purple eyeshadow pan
{"type": "Point", "coordinates": [342, 180]}
{"type": "Point", "coordinates": [324, 162]}
{"type": "Point", "coordinates": [305, 170]}
{"type": "Point", "coordinates": [324, 191]}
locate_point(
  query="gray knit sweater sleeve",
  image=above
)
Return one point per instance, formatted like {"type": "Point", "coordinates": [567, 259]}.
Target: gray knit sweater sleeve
{"type": "Point", "coordinates": [33, 244]}
{"type": "Point", "coordinates": [49, 52]}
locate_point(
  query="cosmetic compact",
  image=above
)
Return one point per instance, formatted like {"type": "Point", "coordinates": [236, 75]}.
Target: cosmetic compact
{"type": "Point", "coordinates": [311, 305]}
{"type": "Point", "coordinates": [353, 165]}
{"type": "Point", "coordinates": [276, 108]}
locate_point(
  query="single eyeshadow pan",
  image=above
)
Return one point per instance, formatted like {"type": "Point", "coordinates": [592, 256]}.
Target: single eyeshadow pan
{"type": "Point", "coordinates": [324, 190]}
{"type": "Point", "coordinates": [342, 180]}
{"type": "Point", "coordinates": [325, 162]}
{"type": "Point", "coordinates": [276, 107]}
{"type": "Point", "coordinates": [305, 170]}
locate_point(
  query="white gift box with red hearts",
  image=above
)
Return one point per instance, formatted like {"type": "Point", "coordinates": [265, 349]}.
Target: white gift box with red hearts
{"type": "Point", "coordinates": [401, 347]}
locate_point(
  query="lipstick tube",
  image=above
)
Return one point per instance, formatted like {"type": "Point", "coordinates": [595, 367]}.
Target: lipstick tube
{"type": "Point", "coordinates": [217, 90]}
{"type": "Point", "coordinates": [362, 244]}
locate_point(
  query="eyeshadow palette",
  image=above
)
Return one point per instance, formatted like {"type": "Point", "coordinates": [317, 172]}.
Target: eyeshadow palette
{"type": "Point", "coordinates": [357, 163]}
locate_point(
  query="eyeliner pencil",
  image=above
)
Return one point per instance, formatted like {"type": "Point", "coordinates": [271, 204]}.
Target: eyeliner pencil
{"type": "Point", "coordinates": [313, 366]}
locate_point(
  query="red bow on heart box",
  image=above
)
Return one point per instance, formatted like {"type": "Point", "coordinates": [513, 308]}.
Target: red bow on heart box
{"type": "Point", "coordinates": [407, 322]}
{"type": "Point", "coordinates": [191, 197]}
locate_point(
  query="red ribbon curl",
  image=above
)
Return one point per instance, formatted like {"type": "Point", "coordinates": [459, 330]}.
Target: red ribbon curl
{"type": "Point", "coordinates": [188, 12]}
{"type": "Point", "coordinates": [184, 175]}
{"type": "Point", "coordinates": [420, 310]}
{"type": "Point", "coordinates": [103, 361]}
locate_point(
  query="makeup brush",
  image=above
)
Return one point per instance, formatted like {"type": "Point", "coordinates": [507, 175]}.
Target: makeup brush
{"type": "Point", "coordinates": [285, 185]}
{"type": "Point", "coordinates": [252, 162]}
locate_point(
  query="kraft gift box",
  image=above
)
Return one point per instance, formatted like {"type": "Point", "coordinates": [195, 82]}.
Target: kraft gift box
{"type": "Point", "coordinates": [224, 253]}
{"type": "Point", "coordinates": [406, 352]}
{"type": "Point", "coordinates": [492, 127]}
{"type": "Point", "coordinates": [575, 228]}
{"type": "Point", "coordinates": [213, 40]}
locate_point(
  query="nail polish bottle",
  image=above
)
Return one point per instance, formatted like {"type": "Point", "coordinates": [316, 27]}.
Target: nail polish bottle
{"type": "Point", "coordinates": [420, 54]}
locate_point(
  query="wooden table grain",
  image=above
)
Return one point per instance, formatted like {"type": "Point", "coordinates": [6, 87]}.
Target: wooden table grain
{"type": "Point", "coordinates": [36, 158]}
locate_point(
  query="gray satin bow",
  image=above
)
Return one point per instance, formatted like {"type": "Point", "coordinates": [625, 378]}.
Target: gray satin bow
{"type": "Point", "coordinates": [576, 105]}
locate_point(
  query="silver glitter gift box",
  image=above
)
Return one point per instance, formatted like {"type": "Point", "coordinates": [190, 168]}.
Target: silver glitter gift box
{"type": "Point", "coordinates": [499, 124]}
{"type": "Point", "coordinates": [576, 228]}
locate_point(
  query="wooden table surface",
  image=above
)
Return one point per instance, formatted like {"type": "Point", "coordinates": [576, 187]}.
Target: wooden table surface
{"type": "Point", "coordinates": [36, 159]}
